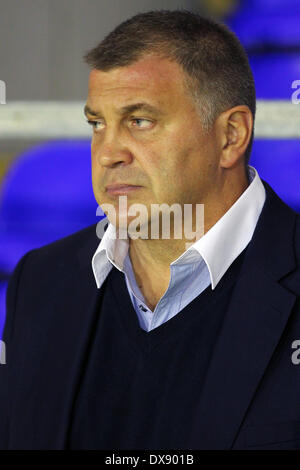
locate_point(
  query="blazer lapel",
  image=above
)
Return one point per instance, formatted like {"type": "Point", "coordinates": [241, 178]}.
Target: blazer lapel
{"type": "Point", "coordinates": [254, 322]}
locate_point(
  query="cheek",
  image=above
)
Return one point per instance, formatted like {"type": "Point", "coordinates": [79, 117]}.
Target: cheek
{"type": "Point", "coordinates": [187, 167]}
{"type": "Point", "coordinates": [96, 175]}
{"type": "Point", "coordinates": [94, 171]}
{"type": "Point", "coordinates": [95, 165]}
{"type": "Point", "coordinates": [93, 152]}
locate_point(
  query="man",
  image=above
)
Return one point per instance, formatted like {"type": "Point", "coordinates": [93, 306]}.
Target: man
{"type": "Point", "coordinates": [162, 343]}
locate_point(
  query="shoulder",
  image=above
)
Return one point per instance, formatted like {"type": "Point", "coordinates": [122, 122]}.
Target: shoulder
{"type": "Point", "coordinates": [86, 236]}
{"type": "Point", "coordinates": [292, 280]}
{"type": "Point", "coordinates": [297, 239]}
{"type": "Point", "coordinates": [43, 271]}
{"type": "Point", "coordinates": [65, 250]}
{"type": "Point", "coordinates": [56, 260]}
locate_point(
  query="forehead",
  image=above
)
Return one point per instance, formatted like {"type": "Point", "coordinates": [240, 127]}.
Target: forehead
{"type": "Point", "coordinates": [151, 77]}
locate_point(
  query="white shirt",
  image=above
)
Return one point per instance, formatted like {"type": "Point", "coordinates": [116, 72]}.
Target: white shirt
{"type": "Point", "coordinates": [203, 263]}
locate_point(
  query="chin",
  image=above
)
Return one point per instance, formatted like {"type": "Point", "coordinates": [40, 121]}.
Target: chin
{"type": "Point", "coordinates": [135, 227]}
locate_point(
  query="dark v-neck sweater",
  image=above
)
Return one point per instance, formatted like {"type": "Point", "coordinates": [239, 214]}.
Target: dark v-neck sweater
{"type": "Point", "coordinates": [139, 390]}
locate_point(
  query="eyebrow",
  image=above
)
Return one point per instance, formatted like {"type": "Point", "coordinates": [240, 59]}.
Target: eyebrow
{"type": "Point", "coordinates": [127, 109]}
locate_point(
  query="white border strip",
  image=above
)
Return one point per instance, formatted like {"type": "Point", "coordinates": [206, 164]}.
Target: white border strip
{"type": "Point", "coordinates": [63, 119]}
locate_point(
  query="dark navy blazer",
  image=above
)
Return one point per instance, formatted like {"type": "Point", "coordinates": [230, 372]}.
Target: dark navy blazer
{"type": "Point", "coordinates": [252, 392]}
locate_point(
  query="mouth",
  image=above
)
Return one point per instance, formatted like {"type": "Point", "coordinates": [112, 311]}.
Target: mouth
{"type": "Point", "coordinates": [119, 189]}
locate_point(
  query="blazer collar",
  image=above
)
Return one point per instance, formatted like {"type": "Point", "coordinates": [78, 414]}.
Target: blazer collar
{"type": "Point", "coordinates": [272, 245]}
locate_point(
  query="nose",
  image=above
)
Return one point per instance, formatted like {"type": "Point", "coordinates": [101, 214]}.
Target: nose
{"type": "Point", "coordinates": [111, 152]}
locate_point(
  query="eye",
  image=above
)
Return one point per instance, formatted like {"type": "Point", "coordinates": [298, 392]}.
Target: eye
{"type": "Point", "coordinates": [141, 123]}
{"type": "Point", "coordinates": [94, 124]}
{"type": "Point", "coordinates": [147, 123]}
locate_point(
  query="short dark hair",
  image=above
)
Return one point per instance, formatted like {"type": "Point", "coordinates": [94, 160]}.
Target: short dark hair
{"type": "Point", "coordinates": [218, 74]}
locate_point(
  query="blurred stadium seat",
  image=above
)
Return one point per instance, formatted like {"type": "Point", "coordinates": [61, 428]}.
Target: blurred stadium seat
{"type": "Point", "coordinates": [3, 286]}
{"type": "Point", "coordinates": [270, 32]}
{"type": "Point", "coordinates": [262, 22]}
{"type": "Point", "coordinates": [46, 194]}
{"type": "Point", "coordinates": [278, 163]}
{"type": "Point", "coordinates": [274, 74]}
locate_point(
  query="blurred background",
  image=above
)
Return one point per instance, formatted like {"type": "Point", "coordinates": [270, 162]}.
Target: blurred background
{"type": "Point", "coordinates": [45, 182]}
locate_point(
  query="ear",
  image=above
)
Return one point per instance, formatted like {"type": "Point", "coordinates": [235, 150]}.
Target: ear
{"type": "Point", "coordinates": [235, 127]}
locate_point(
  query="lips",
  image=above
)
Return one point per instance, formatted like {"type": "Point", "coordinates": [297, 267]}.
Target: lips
{"type": "Point", "coordinates": [121, 188]}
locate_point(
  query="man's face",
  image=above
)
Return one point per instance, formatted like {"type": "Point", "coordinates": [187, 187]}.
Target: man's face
{"type": "Point", "coordinates": [163, 150]}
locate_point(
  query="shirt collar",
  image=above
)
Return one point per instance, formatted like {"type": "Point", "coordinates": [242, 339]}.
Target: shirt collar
{"type": "Point", "coordinates": [219, 247]}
